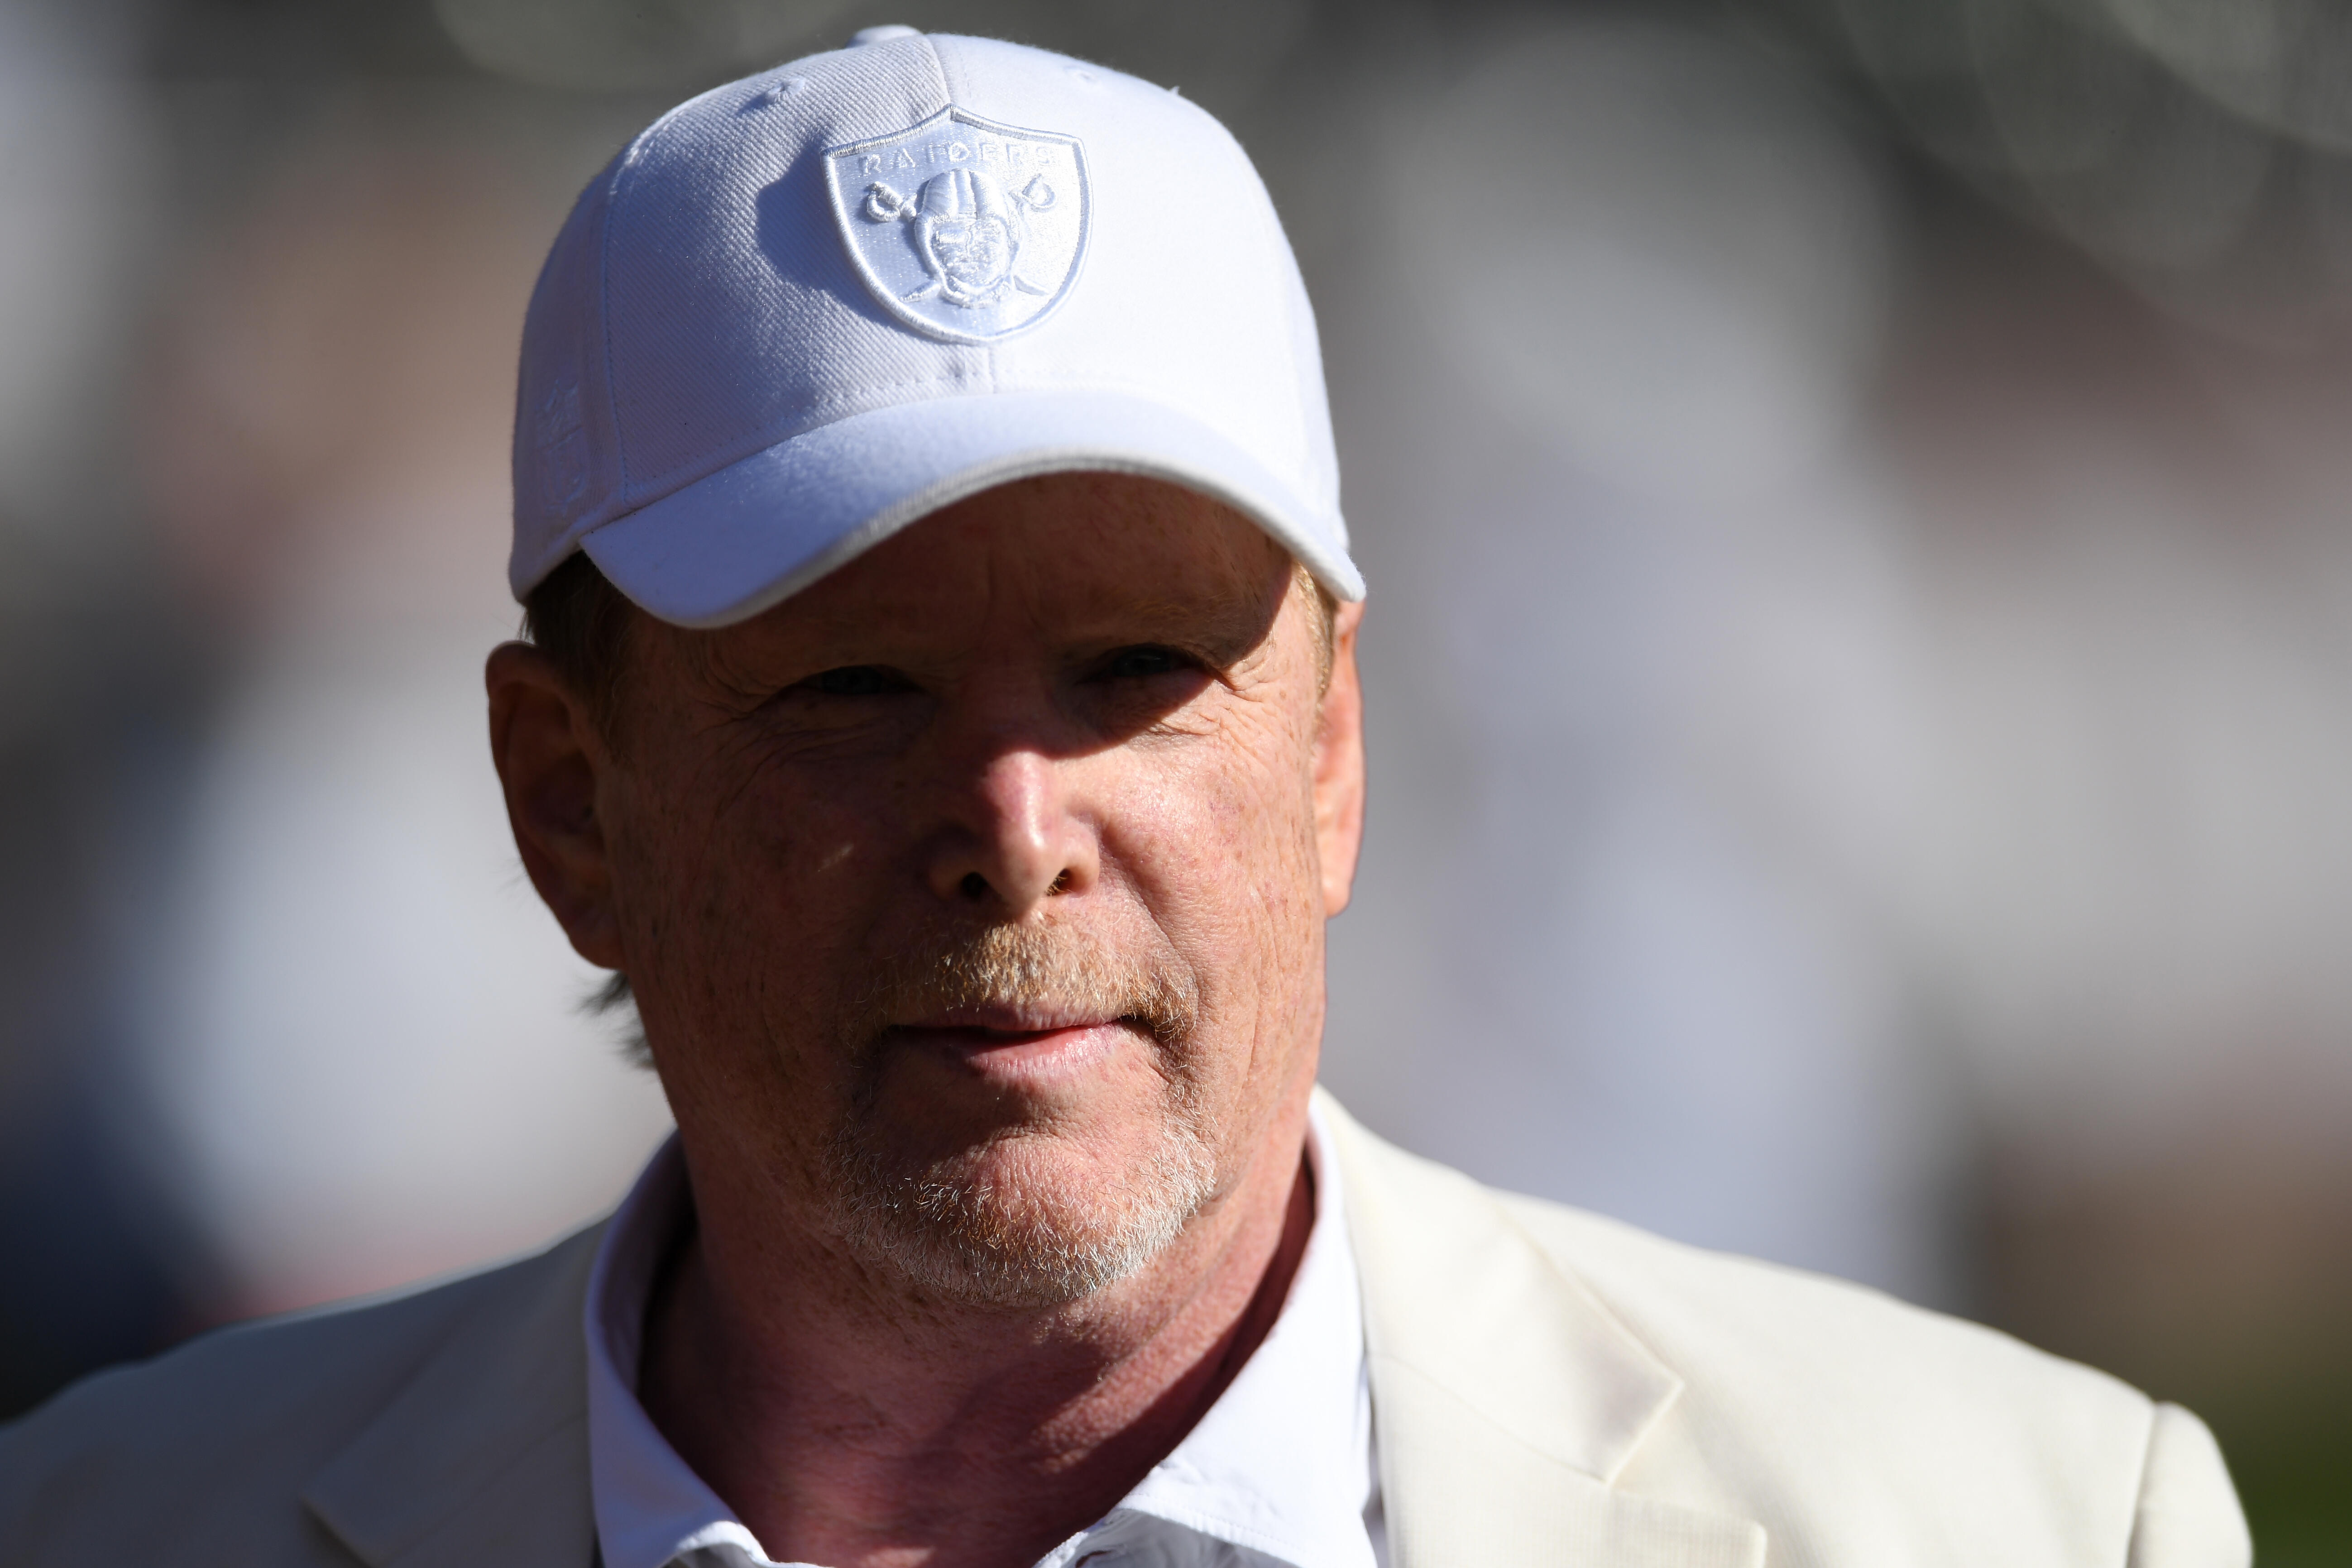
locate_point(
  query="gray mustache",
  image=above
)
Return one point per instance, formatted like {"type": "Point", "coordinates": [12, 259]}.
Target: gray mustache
{"type": "Point", "coordinates": [1007, 966]}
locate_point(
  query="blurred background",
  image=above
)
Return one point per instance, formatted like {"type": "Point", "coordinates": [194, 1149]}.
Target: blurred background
{"type": "Point", "coordinates": [1860, 662]}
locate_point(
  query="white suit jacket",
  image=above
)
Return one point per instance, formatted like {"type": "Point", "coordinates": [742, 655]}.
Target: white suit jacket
{"type": "Point", "coordinates": [1547, 1387]}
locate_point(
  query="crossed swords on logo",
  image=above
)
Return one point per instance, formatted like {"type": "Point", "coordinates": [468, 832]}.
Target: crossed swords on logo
{"type": "Point", "coordinates": [973, 198]}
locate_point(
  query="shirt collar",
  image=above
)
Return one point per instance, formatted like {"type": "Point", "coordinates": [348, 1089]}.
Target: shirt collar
{"type": "Point", "coordinates": [1280, 1465]}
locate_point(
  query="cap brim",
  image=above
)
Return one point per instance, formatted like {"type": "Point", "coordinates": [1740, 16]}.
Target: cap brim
{"type": "Point", "coordinates": [731, 545]}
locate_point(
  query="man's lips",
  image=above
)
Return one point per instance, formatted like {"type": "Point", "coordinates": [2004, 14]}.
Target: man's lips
{"type": "Point", "coordinates": [1008, 1019]}
{"type": "Point", "coordinates": [1010, 1037]}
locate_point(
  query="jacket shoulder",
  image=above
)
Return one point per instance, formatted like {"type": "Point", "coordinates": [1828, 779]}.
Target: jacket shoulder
{"type": "Point", "coordinates": [1849, 1420]}
{"type": "Point", "coordinates": [202, 1453]}
{"type": "Point", "coordinates": [1741, 1319]}
{"type": "Point", "coordinates": [1854, 1428]}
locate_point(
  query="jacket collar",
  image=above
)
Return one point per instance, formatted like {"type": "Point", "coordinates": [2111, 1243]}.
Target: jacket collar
{"type": "Point", "coordinates": [1506, 1398]}
{"type": "Point", "coordinates": [480, 1459]}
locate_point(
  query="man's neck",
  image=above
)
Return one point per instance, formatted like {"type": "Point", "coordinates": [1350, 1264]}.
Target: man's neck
{"type": "Point", "coordinates": [921, 1434]}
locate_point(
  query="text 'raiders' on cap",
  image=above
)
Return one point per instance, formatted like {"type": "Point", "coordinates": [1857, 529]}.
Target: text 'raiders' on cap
{"type": "Point", "coordinates": [804, 310]}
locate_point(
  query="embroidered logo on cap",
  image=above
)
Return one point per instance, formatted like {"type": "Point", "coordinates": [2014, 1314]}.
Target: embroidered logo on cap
{"type": "Point", "coordinates": [965, 229]}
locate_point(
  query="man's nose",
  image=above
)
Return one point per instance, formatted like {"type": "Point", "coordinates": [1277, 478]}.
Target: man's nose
{"type": "Point", "coordinates": [1014, 840]}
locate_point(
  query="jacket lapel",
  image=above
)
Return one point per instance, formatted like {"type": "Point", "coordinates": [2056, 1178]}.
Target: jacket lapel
{"type": "Point", "coordinates": [481, 1458]}
{"type": "Point", "coordinates": [1505, 1397]}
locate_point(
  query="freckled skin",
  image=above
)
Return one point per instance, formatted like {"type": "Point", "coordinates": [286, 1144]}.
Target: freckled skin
{"type": "Point", "coordinates": [1085, 703]}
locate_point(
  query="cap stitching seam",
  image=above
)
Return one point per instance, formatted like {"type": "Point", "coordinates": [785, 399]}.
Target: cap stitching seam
{"type": "Point", "coordinates": [621, 167]}
{"type": "Point", "coordinates": [947, 96]}
{"type": "Point", "coordinates": [602, 311]}
{"type": "Point", "coordinates": [605, 307]}
{"type": "Point", "coordinates": [940, 70]}
{"type": "Point", "coordinates": [1278, 251]}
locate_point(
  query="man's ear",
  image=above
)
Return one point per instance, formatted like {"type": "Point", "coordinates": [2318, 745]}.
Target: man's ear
{"type": "Point", "coordinates": [1339, 765]}
{"type": "Point", "coordinates": [551, 758]}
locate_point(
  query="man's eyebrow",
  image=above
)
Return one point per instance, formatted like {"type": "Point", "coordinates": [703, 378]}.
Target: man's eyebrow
{"type": "Point", "coordinates": [1223, 628]}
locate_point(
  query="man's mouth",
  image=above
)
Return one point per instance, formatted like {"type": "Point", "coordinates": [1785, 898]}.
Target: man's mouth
{"type": "Point", "coordinates": [1017, 1040]}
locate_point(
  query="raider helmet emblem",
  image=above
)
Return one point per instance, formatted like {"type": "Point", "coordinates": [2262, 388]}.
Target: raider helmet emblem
{"type": "Point", "coordinates": [963, 229]}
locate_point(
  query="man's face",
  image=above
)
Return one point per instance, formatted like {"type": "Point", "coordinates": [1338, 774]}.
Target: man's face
{"type": "Point", "coordinates": [973, 896]}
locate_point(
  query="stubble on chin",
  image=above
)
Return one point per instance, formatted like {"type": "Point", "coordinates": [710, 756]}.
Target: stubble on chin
{"type": "Point", "coordinates": [1031, 1216]}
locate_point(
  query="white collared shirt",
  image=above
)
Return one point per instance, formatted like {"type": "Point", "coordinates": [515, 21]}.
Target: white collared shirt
{"type": "Point", "coordinates": [1279, 1473]}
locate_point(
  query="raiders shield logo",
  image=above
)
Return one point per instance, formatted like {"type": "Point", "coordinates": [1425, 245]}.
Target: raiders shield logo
{"type": "Point", "coordinates": [965, 229]}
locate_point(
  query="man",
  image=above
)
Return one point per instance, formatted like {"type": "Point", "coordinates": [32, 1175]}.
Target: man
{"type": "Point", "coordinates": [941, 710]}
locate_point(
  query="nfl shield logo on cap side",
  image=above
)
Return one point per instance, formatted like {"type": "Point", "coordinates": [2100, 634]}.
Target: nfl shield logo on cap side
{"type": "Point", "coordinates": [965, 229]}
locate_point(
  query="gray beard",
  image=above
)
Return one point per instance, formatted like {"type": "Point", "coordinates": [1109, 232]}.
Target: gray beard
{"type": "Point", "coordinates": [1003, 1225]}
{"type": "Point", "coordinates": [1016, 1239]}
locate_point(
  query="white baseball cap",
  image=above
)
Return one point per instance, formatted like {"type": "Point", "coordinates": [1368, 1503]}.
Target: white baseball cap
{"type": "Point", "coordinates": [804, 310]}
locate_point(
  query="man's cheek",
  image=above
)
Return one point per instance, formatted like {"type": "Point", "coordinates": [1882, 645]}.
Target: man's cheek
{"type": "Point", "coordinates": [1225, 871]}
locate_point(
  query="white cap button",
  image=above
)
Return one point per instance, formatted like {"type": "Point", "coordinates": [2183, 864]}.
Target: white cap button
{"type": "Point", "coordinates": [882, 35]}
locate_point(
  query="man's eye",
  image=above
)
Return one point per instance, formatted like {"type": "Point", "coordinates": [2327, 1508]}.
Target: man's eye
{"type": "Point", "coordinates": [1136, 664]}
{"type": "Point", "coordinates": [856, 681]}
